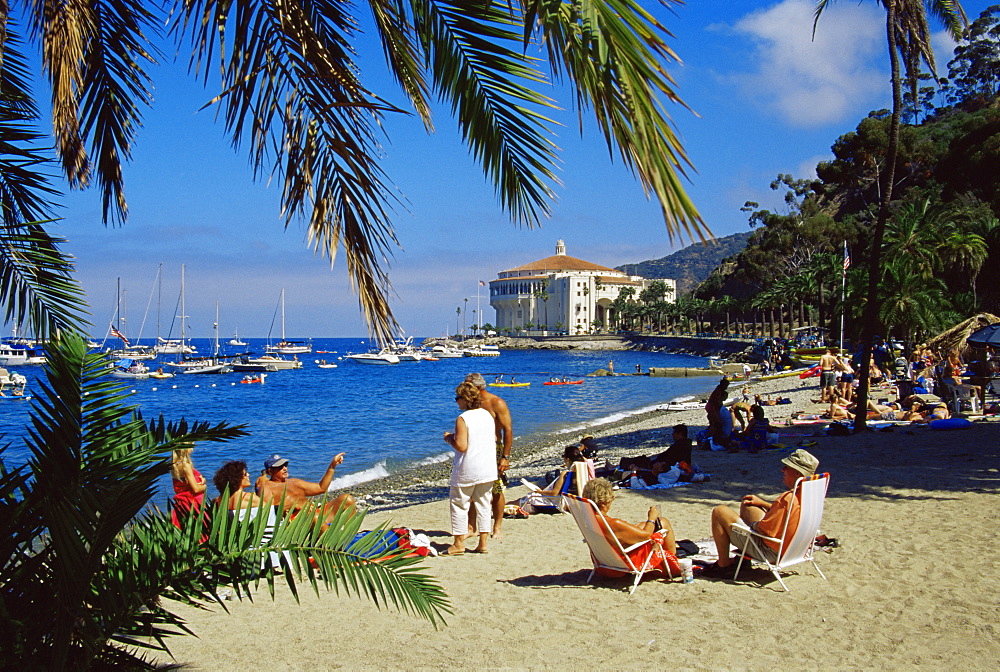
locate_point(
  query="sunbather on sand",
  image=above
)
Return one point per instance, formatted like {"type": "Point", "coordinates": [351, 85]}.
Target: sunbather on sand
{"type": "Point", "coordinates": [838, 408]}
{"type": "Point", "coordinates": [601, 493]}
{"type": "Point", "coordinates": [762, 516]}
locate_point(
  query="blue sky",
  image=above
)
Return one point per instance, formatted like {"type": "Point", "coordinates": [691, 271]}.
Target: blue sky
{"type": "Point", "coordinates": [765, 99]}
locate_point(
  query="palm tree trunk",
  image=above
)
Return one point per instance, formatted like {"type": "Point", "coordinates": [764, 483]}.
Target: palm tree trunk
{"type": "Point", "coordinates": [870, 322]}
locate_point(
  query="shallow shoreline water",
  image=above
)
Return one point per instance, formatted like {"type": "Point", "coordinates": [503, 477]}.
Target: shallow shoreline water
{"type": "Point", "coordinates": [643, 432]}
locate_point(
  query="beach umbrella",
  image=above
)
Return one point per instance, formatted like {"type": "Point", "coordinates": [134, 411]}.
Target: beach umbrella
{"type": "Point", "coordinates": [988, 335]}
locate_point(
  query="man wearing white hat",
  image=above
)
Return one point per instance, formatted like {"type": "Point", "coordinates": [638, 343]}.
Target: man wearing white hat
{"type": "Point", "coordinates": [275, 487]}
{"type": "Point", "coordinates": [762, 516]}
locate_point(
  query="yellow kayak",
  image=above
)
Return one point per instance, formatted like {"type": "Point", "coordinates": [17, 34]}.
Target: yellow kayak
{"type": "Point", "coordinates": [508, 384]}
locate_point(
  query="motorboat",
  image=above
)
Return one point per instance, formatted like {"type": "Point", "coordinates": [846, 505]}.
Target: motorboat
{"type": "Point", "coordinates": [235, 340]}
{"type": "Point", "coordinates": [136, 352]}
{"type": "Point", "coordinates": [243, 363]}
{"type": "Point", "coordinates": [208, 368]}
{"type": "Point", "coordinates": [166, 346]}
{"type": "Point", "coordinates": [12, 385]}
{"type": "Point", "coordinates": [482, 351]}
{"type": "Point", "coordinates": [254, 378]}
{"type": "Point", "coordinates": [446, 352]}
{"type": "Point", "coordinates": [381, 357]}
{"type": "Point", "coordinates": [129, 368]}
{"type": "Point", "coordinates": [279, 363]}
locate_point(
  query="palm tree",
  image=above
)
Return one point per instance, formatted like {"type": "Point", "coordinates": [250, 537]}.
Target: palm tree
{"type": "Point", "coordinates": [88, 570]}
{"type": "Point", "coordinates": [291, 94]}
{"type": "Point", "coordinates": [908, 35]}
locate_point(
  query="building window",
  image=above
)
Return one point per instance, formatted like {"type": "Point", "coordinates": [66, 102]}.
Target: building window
{"type": "Point", "coordinates": [519, 314]}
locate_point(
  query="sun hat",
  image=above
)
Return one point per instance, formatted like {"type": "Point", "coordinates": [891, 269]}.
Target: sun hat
{"type": "Point", "coordinates": [802, 461]}
{"type": "Point", "coordinates": [275, 461]}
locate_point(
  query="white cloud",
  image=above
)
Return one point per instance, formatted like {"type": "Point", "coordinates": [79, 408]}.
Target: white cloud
{"type": "Point", "coordinates": [813, 81]}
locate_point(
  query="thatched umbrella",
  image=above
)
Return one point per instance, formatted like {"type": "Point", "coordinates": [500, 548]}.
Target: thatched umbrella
{"type": "Point", "coordinates": [954, 338]}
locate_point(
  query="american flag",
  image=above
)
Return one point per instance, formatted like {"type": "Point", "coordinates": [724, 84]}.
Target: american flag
{"type": "Point", "coordinates": [118, 334]}
{"type": "Point", "coordinates": [847, 258]}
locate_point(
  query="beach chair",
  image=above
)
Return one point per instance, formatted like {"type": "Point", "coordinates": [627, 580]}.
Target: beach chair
{"type": "Point", "coordinates": [960, 396]}
{"type": "Point", "coordinates": [811, 493]}
{"type": "Point", "coordinates": [579, 474]}
{"type": "Point", "coordinates": [607, 553]}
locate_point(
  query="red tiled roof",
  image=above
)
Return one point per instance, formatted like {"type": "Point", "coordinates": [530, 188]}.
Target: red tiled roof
{"type": "Point", "coordinates": [561, 262]}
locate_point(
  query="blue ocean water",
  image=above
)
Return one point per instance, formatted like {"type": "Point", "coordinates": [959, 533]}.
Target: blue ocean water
{"type": "Point", "coordinates": [385, 418]}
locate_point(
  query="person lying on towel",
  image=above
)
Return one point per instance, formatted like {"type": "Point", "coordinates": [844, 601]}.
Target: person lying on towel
{"type": "Point", "coordinates": [601, 492]}
{"type": "Point", "coordinates": [762, 516]}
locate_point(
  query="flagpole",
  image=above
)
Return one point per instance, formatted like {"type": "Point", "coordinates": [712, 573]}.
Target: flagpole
{"type": "Point", "coordinates": [843, 295]}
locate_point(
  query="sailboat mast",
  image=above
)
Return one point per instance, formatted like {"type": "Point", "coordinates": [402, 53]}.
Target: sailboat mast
{"type": "Point", "coordinates": [183, 309]}
{"type": "Point", "coordinates": [215, 326]}
{"type": "Point", "coordinates": [282, 314]}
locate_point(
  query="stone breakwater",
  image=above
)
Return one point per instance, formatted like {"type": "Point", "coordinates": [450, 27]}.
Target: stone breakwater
{"type": "Point", "coordinates": [639, 434]}
{"type": "Point", "coordinates": [734, 349]}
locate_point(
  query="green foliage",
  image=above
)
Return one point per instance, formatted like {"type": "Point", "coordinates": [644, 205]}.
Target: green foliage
{"type": "Point", "coordinates": [87, 569]}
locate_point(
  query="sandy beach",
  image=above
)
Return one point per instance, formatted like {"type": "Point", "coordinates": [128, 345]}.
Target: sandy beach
{"type": "Point", "coordinates": [912, 584]}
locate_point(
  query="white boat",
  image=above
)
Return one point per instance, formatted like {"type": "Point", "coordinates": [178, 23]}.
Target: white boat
{"type": "Point", "coordinates": [213, 364]}
{"type": "Point", "coordinates": [235, 340]}
{"type": "Point", "coordinates": [383, 356]}
{"type": "Point", "coordinates": [168, 346]}
{"type": "Point", "coordinates": [279, 363]}
{"type": "Point", "coordinates": [446, 352]}
{"type": "Point", "coordinates": [129, 368]}
{"type": "Point", "coordinates": [12, 355]}
{"type": "Point", "coordinates": [323, 364]}
{"type": "Point", "coordinates": [12, 384]}
{"type": "Point", "coordinates": [483, 351]}
{"type": "Point", "coordinates": [137, 352]}
{"type": "Point", "coordinates": [286, 347]}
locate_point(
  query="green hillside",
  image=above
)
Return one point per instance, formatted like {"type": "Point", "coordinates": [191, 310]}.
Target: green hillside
{"type": "Point", "coordinates": [692, 265]}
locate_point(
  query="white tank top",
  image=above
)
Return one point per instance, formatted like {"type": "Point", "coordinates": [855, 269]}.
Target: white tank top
{"type": "Point", "coordinates": [479, 463]}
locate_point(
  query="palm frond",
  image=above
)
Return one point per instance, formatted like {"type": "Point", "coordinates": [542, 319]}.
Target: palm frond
{"type": "Point", "coordinates": [613, 53]}
{"type": "Point", "coordinates": [94, 53]}
{"type": "Point", "coordinates": [36, 282]}
{"type": "Point", "coordinates": [290, 86]}
{"type": "Point", "coordinates": [470, 47]}
{"type": "Point", "coordinates": [115, 84]}
{"type": "Point", "coordinates": [24, 189]}
{"type": "Point", "coordinates": [402, 54]}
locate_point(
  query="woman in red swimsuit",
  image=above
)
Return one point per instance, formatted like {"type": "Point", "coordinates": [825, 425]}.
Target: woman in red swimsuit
{"type": "Point", "coordinates": [189, 486]}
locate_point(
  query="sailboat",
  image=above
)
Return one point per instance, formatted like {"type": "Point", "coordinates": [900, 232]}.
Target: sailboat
{"type": "Point", "coordinates": [169, 346]}
{"type": "Point", "coordinates": [283, 346]}
{"type": "Point", "coordinates": [128, 350]}
{"type": "Point", "coordinates": [213, 364]}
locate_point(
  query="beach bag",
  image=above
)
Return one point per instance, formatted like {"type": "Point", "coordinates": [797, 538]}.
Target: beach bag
{"type": "Point", "coordinates": [670, 477]}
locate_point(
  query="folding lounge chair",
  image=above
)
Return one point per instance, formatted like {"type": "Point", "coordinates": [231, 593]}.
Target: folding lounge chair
{"type": "Point", "coordinates": [607, 552]}
{"type": "Point", "coordinates": [579, 476]}
{"type": "Point", "coordinates": [811, 492]}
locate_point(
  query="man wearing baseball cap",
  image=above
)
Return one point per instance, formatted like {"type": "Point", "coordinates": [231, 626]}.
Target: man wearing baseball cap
{"type": "Point", "coordinates": [762, 516]}
{"type": "Point", "coordinates": [274, 486]}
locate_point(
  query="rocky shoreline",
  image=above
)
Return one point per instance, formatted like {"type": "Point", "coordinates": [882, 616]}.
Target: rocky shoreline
{"type": "Point", "coordinates": [737, 350]}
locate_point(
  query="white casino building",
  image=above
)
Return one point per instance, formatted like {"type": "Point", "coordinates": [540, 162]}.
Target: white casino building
{"type": "Point", "coordinates": [579, 294]}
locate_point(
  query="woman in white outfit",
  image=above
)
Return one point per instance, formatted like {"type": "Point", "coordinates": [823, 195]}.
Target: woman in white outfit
{"type": "Point", "coordinates": [474, 470]}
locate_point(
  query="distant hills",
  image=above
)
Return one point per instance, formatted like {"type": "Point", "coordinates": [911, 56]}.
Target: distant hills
{"type": "Point", "coordinates": [690, 265]}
